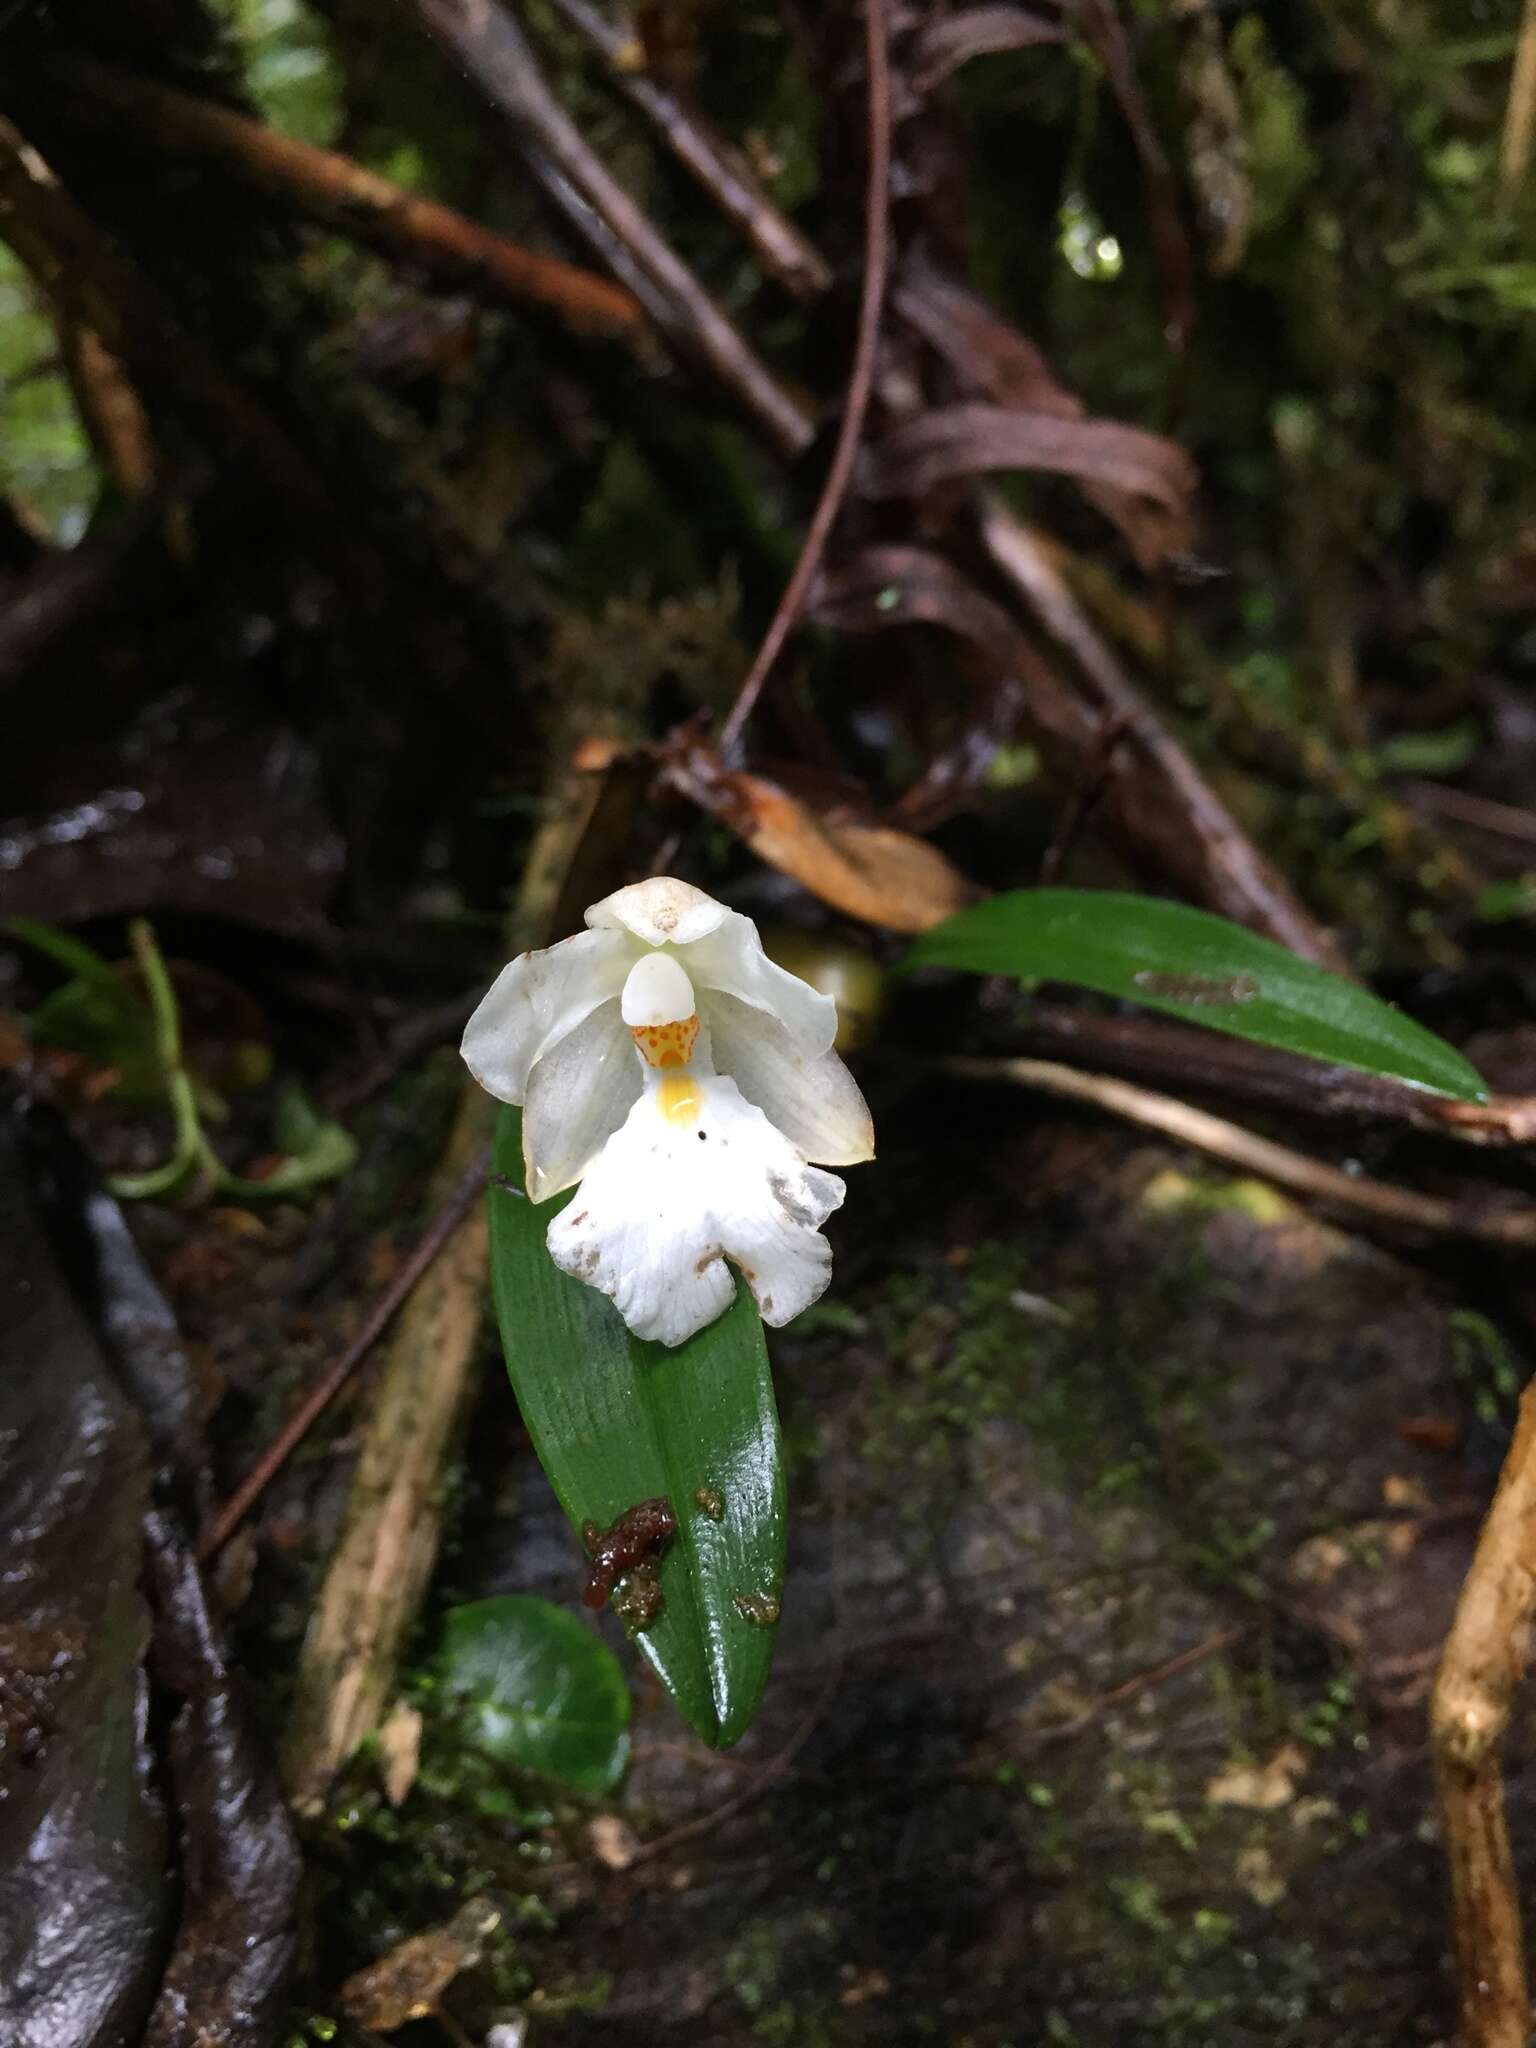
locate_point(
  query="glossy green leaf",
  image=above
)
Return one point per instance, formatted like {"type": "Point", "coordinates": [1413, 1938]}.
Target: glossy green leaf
{"type": "Point", "coordinates": [616, 1421]}
{"type": "Point", "coordinates": [537, 1690]}
{"type": "Point", "coordinates": [1198, 967]}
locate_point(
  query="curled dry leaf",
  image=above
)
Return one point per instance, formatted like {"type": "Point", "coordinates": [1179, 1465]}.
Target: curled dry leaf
{"type": "Point", "coordinates": [866, 870]}
{"type": "Point", "coordinates": [959, 441]}
{"type": "Point", "coordinates": [992, 360]}
{"type": "Point", "coordinates": [944, 45]}
{"type": "Point", "coordinates": [985, 351]}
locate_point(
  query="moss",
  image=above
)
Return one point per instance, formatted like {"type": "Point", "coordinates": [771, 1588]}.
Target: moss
{"type": "Point", "coordinates": [1481, 1359]}
{"type": "Point", "coordinates": [466, 1827]}
{"type": "Point", "coordinates": [1095, 1377]}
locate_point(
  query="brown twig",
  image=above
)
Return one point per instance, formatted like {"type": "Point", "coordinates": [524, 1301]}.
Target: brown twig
{"type": "Point", "coordinates": [1520, 111]}
{"type": "Point", "coordinates": [1404, 1208]}
{"type": "Point", "coordinates": [65, 589]}
{"type": "Point", "coordinates": [1207, 851]}
{"type": "Point", "coordinates": [361, 203]}
{"type": "Point", "coordinates": [1508, 822]}
{"type": "Point", "coordinates": [1161, 1050]}
{"type": "Point", "coordinates": [1143, 1682]}
{"type": "Point", "coordinates": [860, 381]}
{"type": "Point", "coordinates": [491, 47]}
{"type": "Point", "coordinates": [1484, 1662]}
{"type": "Point", "coordinates": [80, 270]}
{"type": "Point", "coordinates": [1084, 801]}
{"type": "Point", "coordinates": [777, 243]}
{"type": "Point", "coordinates": [110, 409]}
{"type": "Point", "coordinates": [439, 1233]}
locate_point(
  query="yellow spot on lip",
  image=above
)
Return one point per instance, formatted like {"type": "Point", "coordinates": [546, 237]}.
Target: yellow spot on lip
{"type": "Point", "coordinates": [679, 1098]}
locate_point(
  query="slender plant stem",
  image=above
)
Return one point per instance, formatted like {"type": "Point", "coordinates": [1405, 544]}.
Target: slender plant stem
{"type": "Point", "coordinates": [860, 382]}
{"type": "Point", "coordinates": [191, 1147]}
{"type": "Point", "coordinates": [225, 1519]}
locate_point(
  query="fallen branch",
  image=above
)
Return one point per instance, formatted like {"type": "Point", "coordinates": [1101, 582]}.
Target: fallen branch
{"type": "Point", "coordinates": [110, 409]}
{"type": "Point", "coordinates": [1310, 1178]}
{"type": "Point", "coordinates": [777, 243]}
{"type": "Point", "coordinates": [1483, 1663]}
{"type": "Point", "coordinates": [487, 44]}
{"type": "Point", "coordinates": [860, 381]}
{"type": "Point", "coordinates": [1158, 1049]}
{"type": "Point", "coordinates": [66, 589]}
{"type": "Point", "coordinates": [1154, 789]}
{"type": "Point", "coordinates": [378, 1574]}
{"type": "Point", "coordinates": [358, 201]}
{"type": "Point", "coordinates": [80, 270]}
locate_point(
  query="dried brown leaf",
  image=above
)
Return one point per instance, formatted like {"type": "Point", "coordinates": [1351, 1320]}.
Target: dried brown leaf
{"type": "Point", "coordinates": [866, 870]}
{"type": "Point", "coordinates": [991, 359]}
{"type": "Point", "coordinates": [1156, 477]}
{"type": "Point", "coordinates": [946, 44]}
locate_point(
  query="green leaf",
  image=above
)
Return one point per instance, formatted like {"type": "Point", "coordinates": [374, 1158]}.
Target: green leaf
{"type": "Point", "coordinates": [539, 1691]}
{"type": "Point", "coordinates": [96, 1012]}
{"type": "Point", "coordinates": [616, 1421]}
{"type": "Point", "coordinates": [317, 1149]}
{"type": "Point", "coordinates": [1199, 967]}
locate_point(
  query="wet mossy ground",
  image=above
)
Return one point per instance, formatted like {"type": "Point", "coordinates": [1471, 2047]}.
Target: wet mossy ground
{"type": "Point", "coordinates": [1115, 1586]}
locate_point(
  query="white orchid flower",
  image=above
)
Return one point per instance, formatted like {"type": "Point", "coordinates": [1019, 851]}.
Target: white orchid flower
{"type": "Point", "coordinates": [665, 1063]}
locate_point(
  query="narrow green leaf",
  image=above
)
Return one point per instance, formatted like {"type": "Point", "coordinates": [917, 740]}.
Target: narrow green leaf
{"type": "Point", "coordinates": [1199, 967]}
{"type": "Point", "coordinates": [616, 1421]}
{"type": "Point", "coordinates": [539, 1690]}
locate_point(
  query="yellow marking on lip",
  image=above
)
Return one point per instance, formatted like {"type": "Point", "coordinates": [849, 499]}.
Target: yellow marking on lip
{"type": "Point", "coordinates": [680, 1098]}
{"type": "Point", "coordinates": [666, 1045]}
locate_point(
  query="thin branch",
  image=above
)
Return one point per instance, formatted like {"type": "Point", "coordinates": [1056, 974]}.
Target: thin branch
{"type": "Point", "coordinates": [777, 243]}
{"type": "Point", "coordinates": [1509, 822]}
{"type": "Point", "coordinates": [1483, 1664]}
{"type": "Point", "coordinates": [439, 1233]}
{"type": "Point", "coordinates": [66, 589]}
{"type": "Point", "coordinates": [1213, 1135]}
{"type": "Point", "coordinates": [82, 271]}
{"type": "Point", "coordinates": [1520, 111]}
{"type": "Point", "coordinates": [487, 44]}
{"type": "Point", "coordinates": [1134, 1688]}
{"type": "Point", "coordinates": [1208, 851]}
{"type": "Point", "coordinates": [860, 382]}
{"type": "Point", "coordinates": [110, 410]}
{"type": "Point", "coordinates": [362, 204]}
{"type": "Point", "coordinates": [1183, 1056]}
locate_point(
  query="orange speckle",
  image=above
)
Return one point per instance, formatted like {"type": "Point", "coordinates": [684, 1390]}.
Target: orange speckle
{"type": "Point", "coordinates": [666, 1045]}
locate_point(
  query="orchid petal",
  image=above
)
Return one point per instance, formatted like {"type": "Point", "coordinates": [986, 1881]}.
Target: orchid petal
{"type": "Point", "coordinates": [535, 1001]}
{"type": "Point", "coordinates": [731, 959]}
{"type": "Point", "coordinates": [579, 1094]}
{"type": "Point", "coordinates": [814, 1101]}
{"type": "Point", "coordinates": [669, 1198]}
